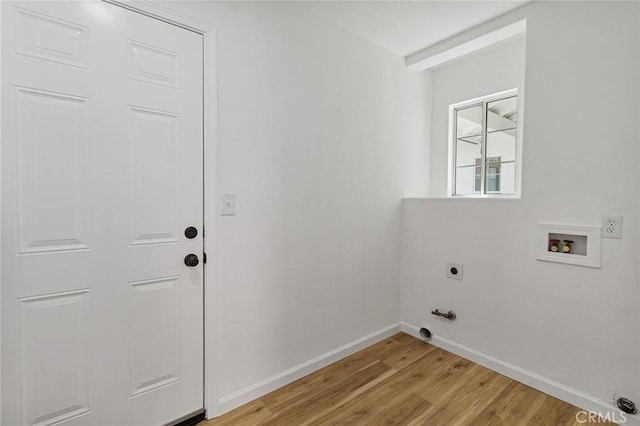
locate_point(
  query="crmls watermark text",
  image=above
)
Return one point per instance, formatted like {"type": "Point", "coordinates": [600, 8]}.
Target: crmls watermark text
{"type": "Point", "coordinates": [600, 417]}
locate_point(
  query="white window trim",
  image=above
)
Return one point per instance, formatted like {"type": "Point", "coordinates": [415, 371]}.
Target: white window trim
{"type": "Point", "coordinates": [452, 148]}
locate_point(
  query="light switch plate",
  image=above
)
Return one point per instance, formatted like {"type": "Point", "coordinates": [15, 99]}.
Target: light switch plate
{"type": "Point", "coordinates": [228, 204]}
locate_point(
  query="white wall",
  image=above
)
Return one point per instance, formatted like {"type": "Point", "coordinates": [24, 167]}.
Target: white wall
{"type": "Point", "coordinates": [576, 326]}
{"type": "Point", "coordinates": [484, 73]}
{"type": "Point", "coordinates": [321, 134]}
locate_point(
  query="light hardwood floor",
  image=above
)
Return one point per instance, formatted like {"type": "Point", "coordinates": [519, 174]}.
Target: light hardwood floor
{"type": "Point", "coordinates": [403, 381]}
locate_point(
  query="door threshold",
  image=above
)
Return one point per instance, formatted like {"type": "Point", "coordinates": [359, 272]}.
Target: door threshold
{"type": "Point", "coordinates": [191, 419]}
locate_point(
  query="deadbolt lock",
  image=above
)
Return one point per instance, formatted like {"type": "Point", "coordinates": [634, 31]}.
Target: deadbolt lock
{"type": "Point", "coordinates": [191, 232]}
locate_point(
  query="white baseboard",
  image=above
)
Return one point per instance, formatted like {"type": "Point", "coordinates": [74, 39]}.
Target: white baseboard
{"type": "Point", "coordinates": [235, 399]}
{"type": "Point", "coordinates": [565, 393]}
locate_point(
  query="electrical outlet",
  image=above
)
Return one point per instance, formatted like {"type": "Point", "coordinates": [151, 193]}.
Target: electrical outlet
{"type": "Point", "coordinates": [612, 226]}
{"type": "Point", "coordinates": [454, 270]}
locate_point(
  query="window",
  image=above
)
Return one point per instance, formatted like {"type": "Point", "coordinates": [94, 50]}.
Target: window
{"type": "Point", "coordinates": [484, 148]}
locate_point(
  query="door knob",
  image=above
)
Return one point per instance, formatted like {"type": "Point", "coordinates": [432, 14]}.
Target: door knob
{"type": "Point", "coordinates": [191, 260]}
{"type": "Point", "coordinates": [191, 232]}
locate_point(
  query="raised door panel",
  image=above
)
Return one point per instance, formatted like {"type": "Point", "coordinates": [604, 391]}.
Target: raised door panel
{"type": "Point", "coordinates": [44, 37]}
{"type": "Point", "coordinates": [55, 375]}
{"type": "Point", "coordinates": [52, 145]}
{"type": "Point", "coordinates": [153, 64]}
{"type": "Point", "coordinates": [154, 176]}
{"type": "Point", "coordinates": [154, 324]}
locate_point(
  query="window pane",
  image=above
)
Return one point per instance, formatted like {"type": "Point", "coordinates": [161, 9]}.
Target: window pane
{"type": "Point", "coordinates": [467, 151]}
{"type": "Point", "coordinates": [469, 121]}
{"type": "Point", "coordinates": [466, 180]}
{"type": "Point", "coordinates": [492, 185]}
{"type": "Point", "coordinates": [502, 144]}
{"type": "Point", "coordinates": [502, 114]}
{"type": "Point", "coordinates": [507, 178]}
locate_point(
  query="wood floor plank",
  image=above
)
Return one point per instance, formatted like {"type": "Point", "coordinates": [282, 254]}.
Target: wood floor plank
{"type": "Point", "coordinates": [437, 388]}
{"type": "Point", "coordinates": [404, 338]}
{"type": "Point", "coordinates": [366, 410]}
{"type": "Point", "coordinates": [514, 406]}
{"type": "Point", "coordinates": [408, 409]}
{"type": "Point", "coordinates": [327, 377]}
{"type": "Point", "coordinates": [407, 354]}
{"type": "Point", "coordinates": [381, 400]}
{"type": "Point", "coordinates": [555, 412]}
{"type": "Point", "coordinates": [480, 387]}
{"type": "Point", "coordinates": [307, 410]}
{"type": "Point", "coordinates": [413, 377]}
{"type": "Point", "coordinates": [403, 381]}
{"type": "Point", "coordinates": [250, 414]}
{"type": "Point", "coordinates": [359, 410]}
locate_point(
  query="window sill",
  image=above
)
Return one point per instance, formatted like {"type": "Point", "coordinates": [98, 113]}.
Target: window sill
{"type": "Point", "coordinates": [469, 197]}
{"type": "Point", "coordinates": [486, 197]}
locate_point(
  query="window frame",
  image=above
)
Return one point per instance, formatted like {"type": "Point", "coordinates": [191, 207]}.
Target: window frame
{"type": "Point", "coordinates": [483, 101]}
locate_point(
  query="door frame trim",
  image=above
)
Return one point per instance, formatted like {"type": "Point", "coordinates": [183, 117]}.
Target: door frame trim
{"type": "Point", "coordinates": [1, 120]}
{"type": "Point", "coordinates": [210, 171]}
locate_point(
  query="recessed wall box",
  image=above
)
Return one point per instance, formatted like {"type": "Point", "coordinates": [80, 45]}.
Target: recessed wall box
{"type": "Point", "coordinates": [572, 244]}
{"type": "Point", "coordinates": [455, 271]}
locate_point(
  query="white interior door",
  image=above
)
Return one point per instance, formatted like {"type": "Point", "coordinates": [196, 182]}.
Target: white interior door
{"type": "Point", "coordinates": [102, 320]}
